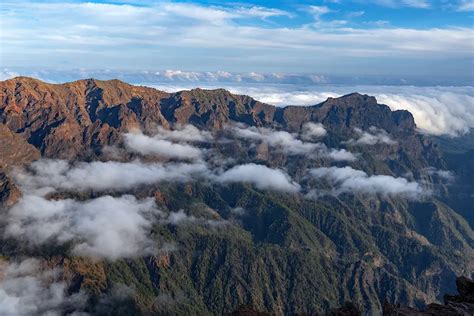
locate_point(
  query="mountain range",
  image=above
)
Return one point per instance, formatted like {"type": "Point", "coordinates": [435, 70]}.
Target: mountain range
{"type": "Point", "coordinates": [288, 210]}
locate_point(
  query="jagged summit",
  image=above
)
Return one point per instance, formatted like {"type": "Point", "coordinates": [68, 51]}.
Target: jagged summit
{"type": "Point", "coordinates": [69, 117]}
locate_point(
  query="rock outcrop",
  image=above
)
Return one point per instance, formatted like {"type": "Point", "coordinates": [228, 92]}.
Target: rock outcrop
{"type": "Point", "coordinates": [454, 305]}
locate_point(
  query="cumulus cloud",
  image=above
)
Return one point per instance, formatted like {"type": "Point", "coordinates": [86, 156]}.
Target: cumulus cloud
{"type": "Point", "coordinates": [313, 130]}
{"type": "Point", "coordinates": [349, 180]}
{"type": "Point", "coordinates": [103, 176]}
{"type": "Point", "coordinates": [261, 176]}
{"type": "Point", "coordinates": [371, 137]}
{"type": "Point", "coordinates": [147, 145]}
{"type": "Point", "coordinates": [27, 289]}
{"type": "Point", "coordinates": [105, 227]}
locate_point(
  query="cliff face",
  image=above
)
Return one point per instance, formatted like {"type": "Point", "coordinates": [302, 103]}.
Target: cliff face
{"type": "Point", "coordinates": [283, 253]}
{"type": "Point", "coordinates": [14, 149]}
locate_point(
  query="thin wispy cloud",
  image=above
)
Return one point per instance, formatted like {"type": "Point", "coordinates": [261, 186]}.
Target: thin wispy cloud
{"type": "Point", "coordinates": [419, 4]}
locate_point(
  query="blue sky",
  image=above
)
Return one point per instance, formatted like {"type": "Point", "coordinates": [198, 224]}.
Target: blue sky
{"type": "Point", "coordinates": [403, 38]}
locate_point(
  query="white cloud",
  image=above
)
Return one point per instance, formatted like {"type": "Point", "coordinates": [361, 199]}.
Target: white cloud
{"type": "Point", "coordinates": [371, 137]}
{"type": "Point", "coordinates": [103, 176]}
{"type": "Point", "coordinates": [260, 12]}
{"type": "Point", "coordinates": [239, 211]}
{"type": "Point", "coordinates": [318, 11]}
{"type": "Point", "coordinates": [45, 176]}
{"type": "Point", "coordinates": [105, 227]}
{"type": "Point", "coordinates": [6, 74]}
{"type": "Point", "coordinates": [180, 218]}
{"type": "Point", "coordinates": [27, 289]}
{"type": "Point", "coordinates": [466, 5]}
{"type": "Point", "coordinates": [313, 130]}
{"type": "Point", "coordinates": [423, 4]}
{"type": "Point", "coordinates": [445, 175]}
{"type": "Point", "coordinates": [435, 113]}
{"type": "Point", "coordinates": [341, 155]}
{"type": "Point", "coordinates": [289, 144]}
{"type": "Point", "coordinates": [356, 14]}
{"type": "Point", "coordinates": [182, 75]}
{"type": "Point", "coordinates": [349, 180]}
{"type": "Point", "coordinates": [146, 145]}
{"type": "Point", "coordinates": [260, 176]}
{"type": "Point", "coordinates": [61, 33]}
{"type": "Point", "coordinates": [420, 4]}
{"type": "Point", "coordinates": [280, 139]}
{"type": "Point", "coordinates": [186, 133]}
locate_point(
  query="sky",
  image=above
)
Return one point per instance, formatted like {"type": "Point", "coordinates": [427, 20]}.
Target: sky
{"type": "Point", "coordinates": [408, 40]}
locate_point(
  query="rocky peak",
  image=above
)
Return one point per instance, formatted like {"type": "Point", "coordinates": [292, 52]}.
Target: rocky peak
{"type": "Point", "coordinates": [350, 100]}
{"type": "Point", "coordinates": [362, 111]}
{"type": "Point", "coordinates": [74, 117]}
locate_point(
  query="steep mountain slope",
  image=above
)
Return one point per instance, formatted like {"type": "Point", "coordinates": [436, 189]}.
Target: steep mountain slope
{"type": "Point", "coordinates": [284, 253]}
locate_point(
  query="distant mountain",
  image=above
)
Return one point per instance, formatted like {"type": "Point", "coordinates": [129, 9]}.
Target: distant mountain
{"type": "Point", "coordinates": [245, 245]}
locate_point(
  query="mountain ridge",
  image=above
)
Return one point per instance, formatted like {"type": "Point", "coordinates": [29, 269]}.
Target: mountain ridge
{"type": "Point", "coordinates": [283, 253]}
{"type": "Point", "coordinates": [91, 111]}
